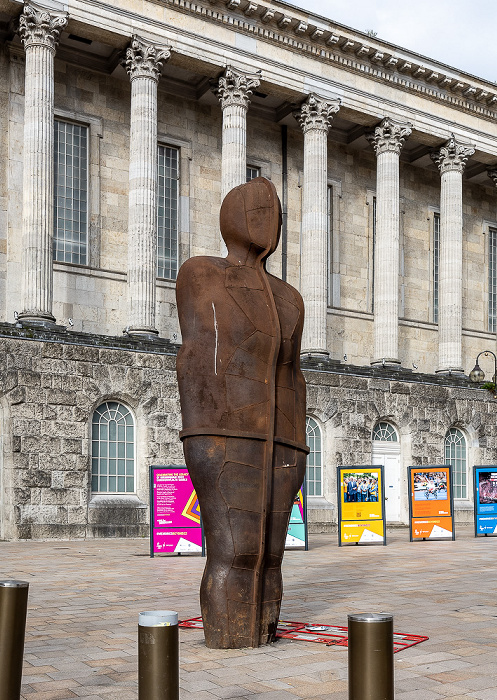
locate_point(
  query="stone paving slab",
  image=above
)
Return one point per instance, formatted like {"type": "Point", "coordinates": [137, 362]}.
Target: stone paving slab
{"type": "Point", "coordinates": [85, 597]}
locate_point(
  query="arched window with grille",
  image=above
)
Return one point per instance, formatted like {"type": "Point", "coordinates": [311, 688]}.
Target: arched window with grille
{"type": "Point", "coordinates": [455, 454]}
{"type": "Point", "coordinates": [113, 449]}
{"type": "Point", "coordinates": [384, 432]}
{"type": "Point", "coordinates": [314, 475]}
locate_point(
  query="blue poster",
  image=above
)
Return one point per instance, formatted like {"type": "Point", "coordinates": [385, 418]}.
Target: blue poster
{"type": "Point", "coordinates": [485, 495]}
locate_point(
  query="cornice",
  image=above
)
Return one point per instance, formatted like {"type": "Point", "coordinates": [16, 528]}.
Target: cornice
{"type": "Point", "coordinates": [351, 52]}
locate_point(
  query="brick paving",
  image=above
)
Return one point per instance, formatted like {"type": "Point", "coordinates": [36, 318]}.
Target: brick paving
{"type": "Point", "coordinates": [85, 597]}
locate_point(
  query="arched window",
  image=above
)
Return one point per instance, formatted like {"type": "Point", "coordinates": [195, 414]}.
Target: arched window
{"type": "Point", "coordinates": [314, 463]}
{"type": "Point", "coordinates": [384, 432]}
{"type": "Point", "coordinates": [113, 449]}
{"type": "Point", "coordinates": [455, 454]}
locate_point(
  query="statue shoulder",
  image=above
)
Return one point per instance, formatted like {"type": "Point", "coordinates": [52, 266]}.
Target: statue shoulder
{"type": "Point", "coordinates": [198, 268]}
{"type": "Point", "coordinates": [286, 291]}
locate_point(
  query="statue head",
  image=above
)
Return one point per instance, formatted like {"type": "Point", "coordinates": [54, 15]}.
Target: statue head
{"type": "Point", "coordinates": [250, 219]}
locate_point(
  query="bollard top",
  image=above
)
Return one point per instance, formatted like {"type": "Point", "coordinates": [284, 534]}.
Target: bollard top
{"type": "Point", "coordinates": [370, 617]}
{"type": "Point", "coordinates": [12, 583]}
{"type": "Point", "coordinates": [158, 618]}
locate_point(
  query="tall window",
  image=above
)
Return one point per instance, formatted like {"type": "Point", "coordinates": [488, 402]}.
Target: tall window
{"type": "Point", "coordinates": [436, 264]}
{"type": "Point", "coordinates": [374, 246]}
{"type": "Point", "coordinates": [70, 241]}
{"type": "Point", "coordinates": [113, 449]}
{"type": "Point", "coordinates": [314, 463]}
{"type": "Point", "coordinates": [455, 454]}
{"type": "Point", "coordinates": [492, 280]}
{"type": "Point", "coordinates": [167, 212]}
{"type": "Point", "coordinates": [330, 245]}
{"type": "Point", "coordinates": [252, 172]}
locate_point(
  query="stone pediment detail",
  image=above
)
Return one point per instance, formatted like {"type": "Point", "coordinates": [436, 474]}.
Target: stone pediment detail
{"type": "Point", "coordinates": [354, 52]}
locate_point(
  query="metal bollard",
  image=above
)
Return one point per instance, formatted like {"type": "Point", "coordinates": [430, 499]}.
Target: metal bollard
{"type": "Point", "coordinates": [158, 655]}
{"type": "Point", "coordinates": [371, 656]}
{"type": "Point", "coordinates": [13, 610]}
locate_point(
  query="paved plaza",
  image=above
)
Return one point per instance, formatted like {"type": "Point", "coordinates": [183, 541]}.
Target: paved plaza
{"type": "Point", "coordinates": [85, 597]}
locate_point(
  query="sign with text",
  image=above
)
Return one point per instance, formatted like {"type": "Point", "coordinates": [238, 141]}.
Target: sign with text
{"type": "Point", "coordinates": [430, 503]}
{"type": "Point", "coordinates": [175, 522]}
{"type": "Point", "coordinates": [361, 505]}
{"type": "Point", "coordinates": [485, 499]}
{"type": "Point", "coordinates": [297, 528]}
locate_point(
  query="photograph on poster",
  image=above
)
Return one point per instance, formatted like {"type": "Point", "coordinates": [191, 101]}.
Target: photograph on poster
{"type": "Point", "coordinates": [360, 487]}
{"type": "Point", "coordinates": [487, 487]}
{"type": "Point", "coordinates": [430, 486]}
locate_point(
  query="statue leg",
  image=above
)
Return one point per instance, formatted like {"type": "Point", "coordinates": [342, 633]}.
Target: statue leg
{"type": "Point", "coordinates": [227, 474]}
{"type": "Point", "coordinates": [288, 475]}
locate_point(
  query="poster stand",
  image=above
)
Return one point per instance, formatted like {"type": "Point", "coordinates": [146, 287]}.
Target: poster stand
{"type": "Point", "coordinates": [431, 503]}
{"type": "Point", "coordinates": [297, 536]}
{"type": "Point", "coordinates": [175, 520]}
{"type": "Point", "coordinates": [485, 499]}
{"type": "Point", "coordinates": [361, 521]}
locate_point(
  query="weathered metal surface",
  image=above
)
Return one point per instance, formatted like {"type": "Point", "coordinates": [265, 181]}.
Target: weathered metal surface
{"type": "Point", "coordinates": [243, 407]}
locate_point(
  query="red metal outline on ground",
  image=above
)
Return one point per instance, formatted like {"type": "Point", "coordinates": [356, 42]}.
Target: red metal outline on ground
{"type": "Point", "coordinates": [331, 635]}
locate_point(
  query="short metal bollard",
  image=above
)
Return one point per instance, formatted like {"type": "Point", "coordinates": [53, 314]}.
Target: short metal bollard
{"type": "Point", "coordinates": [13, 611]}
{"type": "Point", "coordinates": [158, 655]}
{"type": "Point", "coordinates": [371, 675]}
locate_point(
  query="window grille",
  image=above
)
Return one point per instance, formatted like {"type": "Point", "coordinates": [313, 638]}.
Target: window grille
{"type": "Point", "coordinates": [167, 212]}
{"type": "Point", "coordinates": [314, 458]}
{"type": "Point", "coordinates": [436, 264]}
{"type": "Point", "coordinates": [384, 432]}
{"type": "Point", "coordinates": [113, 449]}
{"type": "Point", "coordinates": [330, 245]}
{"type": "Point", "coordinates": [455, 454]}
{"type": "Point", "coordinates": [492, 280]}
{"type": "Point", "coordinates": [374, 246]}
{"type": "Point", "coordinates": [70, 241]}
{"type": "Point", "coordinates": [252, 172]}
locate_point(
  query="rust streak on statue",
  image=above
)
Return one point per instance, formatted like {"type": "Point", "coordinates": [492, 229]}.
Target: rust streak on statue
{"type": "Point", "coordinates": [243, 407]}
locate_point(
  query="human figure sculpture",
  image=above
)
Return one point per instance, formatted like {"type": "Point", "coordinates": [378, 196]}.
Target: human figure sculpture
{"type": "Point", "coordinates": [243, 407]}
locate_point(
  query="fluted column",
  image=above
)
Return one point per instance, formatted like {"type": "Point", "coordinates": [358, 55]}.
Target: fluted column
{"type": "Point", "coordinates": [143, 63]}
{"type": "Point", "coordinates": [315, 117]}
{"type": "Point", "coordinates": [387, 140]}
{"type": "Point", "coordinates": [39, 31]}
{"type": "Point", "coordinates": [451, 160]}
{"type": "Point", "coordinates": [234, 90]}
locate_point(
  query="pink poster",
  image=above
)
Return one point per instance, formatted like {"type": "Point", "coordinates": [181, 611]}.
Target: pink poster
{"type": "Point", "coordinates": [176, 525]}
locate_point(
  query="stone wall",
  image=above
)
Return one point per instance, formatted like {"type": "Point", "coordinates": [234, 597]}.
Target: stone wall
{"type": "Point", "coordinates": [51, 382]}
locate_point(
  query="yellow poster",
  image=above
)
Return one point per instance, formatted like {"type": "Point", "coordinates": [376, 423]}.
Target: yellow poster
{"type": "Point", "coordinates": [365, 533]}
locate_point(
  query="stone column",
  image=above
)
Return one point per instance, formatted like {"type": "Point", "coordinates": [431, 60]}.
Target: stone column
{"type": "Point", "coordinates": [39, 31]}
{"type": "Point", "coordinates": [143, 63]}
{"type": "Point", "coordinates": [234, 89]}
{"type": "Point", "coordinates": [387, 140]}
{"type": "Point", "coordinates": [315, 117]}
{"type": "Point", "coordinates": [451, 160]}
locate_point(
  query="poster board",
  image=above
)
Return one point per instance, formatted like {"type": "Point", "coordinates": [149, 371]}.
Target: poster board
{"type": "Point", "coordinates": [431, 503]}
{"type": "Point", "coordinates": [361, 505]}
{"type": "Point", "coordinates": [297, 528]}
{"type": "Point", "coordinates": [485, 499]}
{"type": "Point", "coordinates": [175, 521]}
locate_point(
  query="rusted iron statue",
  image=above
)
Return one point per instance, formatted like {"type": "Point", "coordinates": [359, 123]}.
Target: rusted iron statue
{"type": "Point", "coordinates": [243, 407]}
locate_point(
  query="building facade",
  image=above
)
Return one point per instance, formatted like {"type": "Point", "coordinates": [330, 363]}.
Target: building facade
{"type": "Point", "coordinates": [122, 126]}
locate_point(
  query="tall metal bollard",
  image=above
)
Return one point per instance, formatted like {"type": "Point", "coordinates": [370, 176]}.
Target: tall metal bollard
{"type": "Point", "coordinates": [13, 610]}
{"type": "Point", "coordinates": [371, 656]}
{"type": "Point", "coordinates": [158, 655]}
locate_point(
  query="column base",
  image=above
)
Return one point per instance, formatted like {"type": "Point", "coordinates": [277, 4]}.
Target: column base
{"type": "Point", "coordinates": [450, 370]}
{"type": "Point", "coordinates": [31, 318]}
{"type": "Point", "coordinates": [144, 332]}
{"type": "Point", "coordinates": [386, 362]}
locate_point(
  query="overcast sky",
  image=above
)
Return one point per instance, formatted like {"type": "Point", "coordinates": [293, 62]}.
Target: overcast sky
{"type": "Point", "coordinates": [460, 33]}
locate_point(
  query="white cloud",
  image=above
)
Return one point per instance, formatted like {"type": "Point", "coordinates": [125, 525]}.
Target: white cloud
{"type": "Point", "coordinates": [460, 33]}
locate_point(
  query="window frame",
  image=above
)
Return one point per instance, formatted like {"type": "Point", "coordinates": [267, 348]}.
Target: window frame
{"type": "Point", "coordinates": [177, 148]}
{"type": "Point", "coordinates": [492, 279]}
{"type": "Point", "coordinates": [455, 471]}
{"type": "Point", "coordinates": [313, 466]}
{"type": "Point", "coordinates": [98, 475]}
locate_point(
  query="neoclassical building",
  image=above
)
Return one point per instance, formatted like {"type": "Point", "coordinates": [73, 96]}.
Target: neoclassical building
{"type": "Point", "coordinates": [122, 126]}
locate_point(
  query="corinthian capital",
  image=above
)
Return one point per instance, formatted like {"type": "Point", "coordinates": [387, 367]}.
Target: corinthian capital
{"type": "Point", "coordinates": [144, 59]}
{"type": "Point", "coordinates": [390, 135]}
{"type": "Point", "coordinates": [452, 156]}
{"type": "Point", "coordinates": [235, 88]}
{"type": "Point", "coordinates": [316, 113]}
{"type": "Point", "coordinates": [37, 27]}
